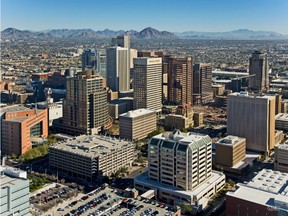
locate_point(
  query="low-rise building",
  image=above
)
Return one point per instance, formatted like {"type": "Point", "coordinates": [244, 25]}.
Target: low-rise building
{"type": "Point", "coordinates": [230, 150]}
{"type": "Point", "coordinates": [281, 157]}
{"type": "Point", "coordinates": [265, 194]}
{"type": "Point", "coordinates": [198, 119]}
{"type": "Point", "coordinates": [14, 193]}
{"type": "Point", "coordinates": [137, 124]}
{"type": "Point", "coordinates": [120, 106]}
{"type": "Point", "coordinates": [281, 121]}
{"type": "Point", "coordinates": [19, 126]}
{"type": "Point", "coordinates": [173, 121]}
{"type": "Point", "coordinates": [91, 157]}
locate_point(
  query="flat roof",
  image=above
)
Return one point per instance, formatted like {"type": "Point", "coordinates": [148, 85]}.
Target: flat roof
{"type": "Point", "coordinates": [281, 117]}
{"type": "Point", "coordinates": [215, 175]}
{"type": "Point", "coordinates": [14, 108]}
{"type": "Point", "coordinates": [229, 140]}
{"type": "Point", "coordinates": [137, 113]}
{"type": "Point", "coordinates": [271, 181]}
{"type": "Point", "coordinates": [91, 145]}
{"type": "Point", "coordinates": [246, 94]}
{"type": "Point", "coordinates": [282, 146]}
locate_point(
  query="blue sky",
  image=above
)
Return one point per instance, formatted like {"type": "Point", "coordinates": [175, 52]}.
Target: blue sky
{"type": "Point", "coordinates": [170, 15]}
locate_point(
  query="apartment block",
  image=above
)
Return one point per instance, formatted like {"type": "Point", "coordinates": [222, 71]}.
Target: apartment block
{"type": "Point", "coordinates": [90, 157]}
{"type": "Point", "coordinates": [252, 117]}
{"type": "Point", "coordinates": [281, 157]}
{"type": "Point", "coordinates": [137, 124]}
{"type": "Point", "coordinates": [14, 192]}
{"type": "Point", "coordinates": [230, 150]}
{"type": "Point", "coordinates": [180, 169]}
{"type": "Point", "coordinates": [20, 125]}
{"type": "Point", "coordinates": [265, 194]}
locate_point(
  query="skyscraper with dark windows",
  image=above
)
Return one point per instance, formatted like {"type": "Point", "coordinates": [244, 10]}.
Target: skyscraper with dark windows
{"type": "Point", "coordinates": [180, 80]}
{"type": "Point", "coordinates": [258, 66]}
{"type": "Point", "coordinates": [89, 60]}
{"type": "Point", "coordinates": [202, 86]}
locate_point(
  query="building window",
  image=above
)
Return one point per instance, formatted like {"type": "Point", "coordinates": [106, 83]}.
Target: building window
{"type": "Point", "coordinates": [36, 130]}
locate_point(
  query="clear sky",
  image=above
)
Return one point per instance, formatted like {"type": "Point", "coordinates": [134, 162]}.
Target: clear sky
{"type": "Point", "coordinates": [170, 15]}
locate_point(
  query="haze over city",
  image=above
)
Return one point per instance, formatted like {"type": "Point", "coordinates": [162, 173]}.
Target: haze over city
{"type": "Point", "coordinates": [169, 15]}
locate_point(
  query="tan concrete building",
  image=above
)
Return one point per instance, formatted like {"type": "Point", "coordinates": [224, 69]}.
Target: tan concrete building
{"type": "Point", "coordinates": [91, 157]}
{"type": "Point", "coordinates": [281, 157]}
{"type": "Point", "coordinates": [173, 121]}
{"type": "Point", "coordinates": [19, 126]}
{"type": "Point", "coordinates": [230, 150]}
{"type": "Point", "coordinates": [218, 89]}
{"type": "Point", "coordinates": [252, 117]}
{"type": "Point", "coordinates": [147, 83]}
{"type": "Point", "coordinates": [85, 108]}
{"type": "Point", "coordinates": [137, 124]}
{"type": "Point", "coordinates": [198, 119]}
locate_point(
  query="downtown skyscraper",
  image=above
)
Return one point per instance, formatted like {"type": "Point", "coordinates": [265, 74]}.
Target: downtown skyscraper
{"type": "Point", "coordinates": [258, 66]}
{"type": "Point", "coordinates": [147, 83]}
{"type": "Point", "coordinates": [85, 109]}
{"type": "Point", "coordinates": [180, 80]}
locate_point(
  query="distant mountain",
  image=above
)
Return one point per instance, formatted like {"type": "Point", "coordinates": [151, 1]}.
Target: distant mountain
{"type": "Point", "coordinates": [151, 33]}
{"type": "Point", "coordinates": [147, 33]}
{"type": "Point", "coordinates": [236, 34]}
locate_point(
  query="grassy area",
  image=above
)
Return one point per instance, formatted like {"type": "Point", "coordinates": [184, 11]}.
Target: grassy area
{"type": "Point", "coordinates": [37, 151]}
{"type": "Point", "coordinates": [36, 182]}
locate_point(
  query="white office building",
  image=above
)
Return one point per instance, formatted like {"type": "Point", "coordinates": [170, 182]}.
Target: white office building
{"type": "Point", "coordinates": [180, 169]}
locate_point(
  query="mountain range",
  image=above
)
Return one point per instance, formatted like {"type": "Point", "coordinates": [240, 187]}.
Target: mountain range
{"type": "Point", "coordinates": [147, 33]}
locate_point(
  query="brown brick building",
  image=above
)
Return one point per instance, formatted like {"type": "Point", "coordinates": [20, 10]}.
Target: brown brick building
{"type": "Point", "coordinates": [19, 125]}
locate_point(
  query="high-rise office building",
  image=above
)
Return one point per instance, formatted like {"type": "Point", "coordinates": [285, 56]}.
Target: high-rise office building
{"type": "Point", "coordinates": [123, 41]}
{"type": "Point", "coordinates": [147, 83]}
{"type": "Point", "coordinates": [180, 80]}
{"type": "Point", "coordinates": [118, 70]}
{"type": "Point", "coordinates": [180, 168]}
{"type": "Point", "coordinates": [202, 86]}
{"type": "Point", "coordinates": [252, 117]}
{"type": "Point", "coordinates": [85, 108]}
{"type": "Point", "coordinates": [258, 66]}
{"type": "Point", "coordinates": [89, 60]}
{"type": "Point", "coordinates": [101, 62]}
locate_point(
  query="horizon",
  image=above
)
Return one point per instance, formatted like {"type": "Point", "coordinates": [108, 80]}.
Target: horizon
{"type": "Point", "coordinates": [127, 30]}
{"type": "Point", "coordinates": [169, 15]}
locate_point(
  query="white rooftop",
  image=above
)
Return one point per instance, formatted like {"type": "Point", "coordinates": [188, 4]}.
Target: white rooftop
{"type": "Point", "coordinates": [268, 188]}
{"type": "Point", "coordinates": [229, 140]}
{"type": "Point", "coordinates": [282, 146]}
{"type": "Point", "coordinates": [137, 113]}
{"type": "Point", "coordinates": [281, 117]}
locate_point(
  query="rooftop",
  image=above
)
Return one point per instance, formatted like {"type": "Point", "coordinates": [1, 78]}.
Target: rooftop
{"type": "Point", "coordinates": [268, 188]}
{"type": "Point", "coordinates": [91, 146]}
{"type": "Point", "coordinates": [193, 140]}
{"type": "Point", "coordinates": [137, 113]}
{"type": "Point", "coordinates": [246, 94]}
{"type": "Point", "coordinates": [230, 140]}
{"type": "Point", "coordinates": [215, 175]}
{"type": "Point", "coordinates": [281, 117]}
{"type": "Point", "coordinates": [282, 146]}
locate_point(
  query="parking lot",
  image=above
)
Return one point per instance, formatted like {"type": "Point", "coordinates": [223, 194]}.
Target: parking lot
{"type": "Point", "coordinates": [109, 202]}
{"type": "Point", "coordinates": [45, 199]}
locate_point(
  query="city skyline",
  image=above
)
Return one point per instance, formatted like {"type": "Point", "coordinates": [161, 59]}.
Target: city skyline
{"type": "Point", "coordinates": [173, 16]}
